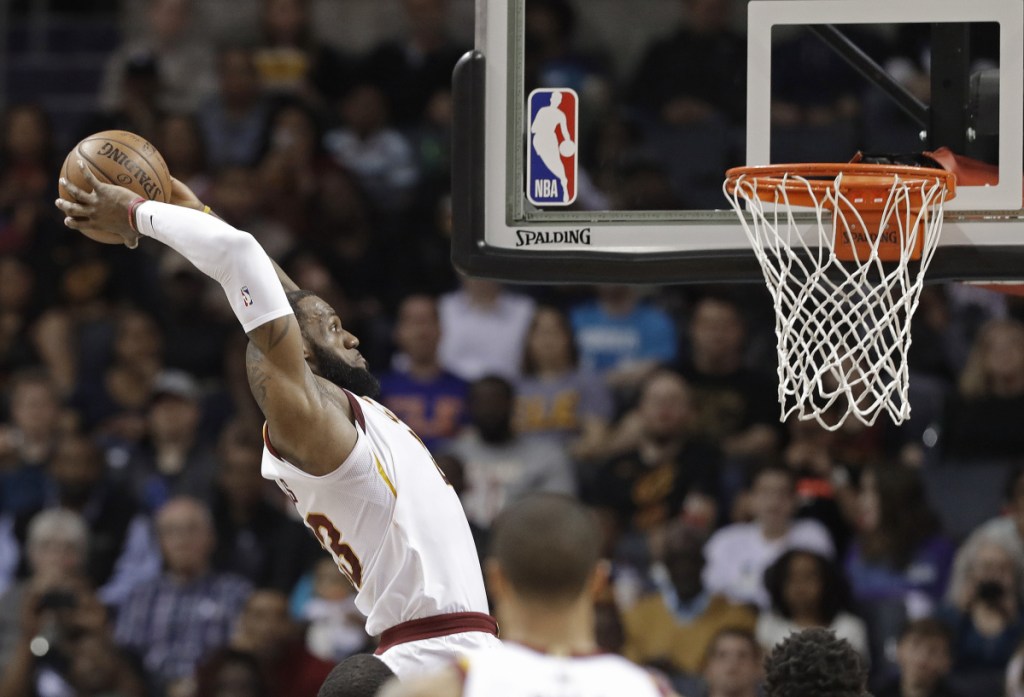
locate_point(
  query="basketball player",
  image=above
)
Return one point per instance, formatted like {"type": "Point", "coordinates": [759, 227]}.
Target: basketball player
{"type": "Point", "coordinates": [360, 478]}
{"type": "Point", "coordinates": [814, 663]}
{"type": "Point", "coordinates": [543, 572]}
{"type": "Point", "coordinates": [546, 124]}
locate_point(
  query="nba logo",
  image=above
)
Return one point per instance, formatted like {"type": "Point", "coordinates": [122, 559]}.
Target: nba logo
{"type": "Point", "coordinates": [246, 298]}
{"type": "Point", "coordinates": [551, 158]}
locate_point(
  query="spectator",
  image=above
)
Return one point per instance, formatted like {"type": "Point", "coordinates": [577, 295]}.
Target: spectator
{"type": "Point", "coordinates": [738, 554]}
{"type": "Point", "coordinates": [483, 329]}
{"type": "Point", "coordinates": [555, 398]}
{"type": "Point", "coordinates": [983, 609]}
{"type": "Point", "coordinates": [367, 145]}
{"type": "Point", "coordinates": [28, 443]}
{"type": "Point", "coordinates": [553, 58]}
{"type": "Point", "coordinates": [292, 63]}
{"type": "Point", "coordinates": [100, 669]}
{"type": "Point", "coordinates": [27, 167]}
{"type": "Point", "coordinates": [266, 631]}
{"type": "Point", "coordinates": [674, 626]}
{"type": "Point", "coordinates": [924, 657]}
{"type": "Point", "coordinates": [41, 616]}
{"type": "Point", "coordinates": [667, 473]}
{"type": "Point", "coordinates": [898, 565]}
{"type": "Point", "coordinates": [823, 485]}
{"type": "Point", "coordinates": [193, 318]}
{"type": "Point", "coordinates": [255, 540]}
{"type": "Point", "coordinates": [808, 590]}
{"type": "Point", "coordinates": [737, 407]}
{"type": "Point", "coordinates": [621, 338]}
{"type": "Point", "coordinates": [423, 394]}
{"type": "Point", "coordinates": [1015, 675]}
{"type": "Point", "coordinates": [500, 465]}
{"type": "Point", "coordinates": [680, 97]}
{"type": "Point", "coordinates": [353, 241]}
{"type": "Point", "coordinates": [137, 105]}
{"type": "Point", "coordinates": [732, 667]}
{"type": "Point", "coordinates": [235, 195]}
{"type": "Point", "coordinates": [17, 297]}
{"type": "Point", "coordinates": [112, 402]}
{"type": "Point", "coordinates": [172, 461]}
{"type": "Point", "coordinates": [234, 120]}
{"type": "Point", "coordinates": [122, 551]}
{"type": "Point", "coordinates": [291, 163]}
{"type": "Point", "coordinates": [173, 622]}
{"type": "Point", "coordinates": [232, 673]}
{"type": "Point", "coordinates": [981, 421]}
{"type": "Point", "coordinates": [181, 61]}
{"type": "Point", "coordinates": [336, 627]}
{"type": "Point", "coordinates": [415, 71]}
{"type": "Point", "coordinates": [185, 152]}
{"type": "Point", "coordinates": [1011, 524]}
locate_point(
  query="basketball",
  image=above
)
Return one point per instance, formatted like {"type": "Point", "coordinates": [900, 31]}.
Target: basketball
{"type": "Point", "coordinates": [567, 148]}
{"type": "Point", "coordinates": [118, 157]}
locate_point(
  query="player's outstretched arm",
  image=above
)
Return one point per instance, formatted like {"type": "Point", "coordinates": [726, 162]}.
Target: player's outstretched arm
{"type": "Point", "coordinates": [282, 383]}
{"type": "Point", "coordinates": [182, 195]}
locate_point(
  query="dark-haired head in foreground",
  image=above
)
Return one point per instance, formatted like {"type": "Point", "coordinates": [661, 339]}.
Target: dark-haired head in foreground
{"type": "Point", "coordinates": [814, 663]}
{"type": "Point", "coordinates": [361, 675]}
{"type": "Point", "coordinates": [545, 548]}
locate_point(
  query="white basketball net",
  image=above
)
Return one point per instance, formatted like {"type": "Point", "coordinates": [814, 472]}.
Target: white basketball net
{"type": "Point", "coordinates": [843, 328]}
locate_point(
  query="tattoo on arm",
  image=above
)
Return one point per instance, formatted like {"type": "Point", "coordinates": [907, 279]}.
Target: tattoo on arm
{"type": "Point", "coordinates": [258, 377]}
{"type": "Point", "coordinates": [269, 335]}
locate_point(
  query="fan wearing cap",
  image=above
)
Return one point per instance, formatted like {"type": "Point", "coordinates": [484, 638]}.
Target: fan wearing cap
{"type": "Point", "coordinates": [362, 481]}
{"type": "Point", "coordinates": [172, 460]}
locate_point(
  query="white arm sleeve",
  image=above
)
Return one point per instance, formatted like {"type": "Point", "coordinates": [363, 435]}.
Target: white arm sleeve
{"type": "Point", "coordinates": [231, 257]}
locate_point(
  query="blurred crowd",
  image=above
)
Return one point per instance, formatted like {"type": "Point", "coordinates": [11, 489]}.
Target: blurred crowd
{"type": "Point", "coordinates": [141, 552]}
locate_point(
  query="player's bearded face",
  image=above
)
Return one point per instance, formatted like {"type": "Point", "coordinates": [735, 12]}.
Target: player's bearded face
{"type": "Point", "coordinates": [330, 366]}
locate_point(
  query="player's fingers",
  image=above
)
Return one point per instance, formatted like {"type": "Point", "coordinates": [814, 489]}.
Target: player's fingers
{"type": "Point", "coordinates": [72, 208]}
{"type": "Point", "coordinates": [91, 179]}
{"type": "Point", "coordinates": [75, 223]}
{"type": "Point", "coordinates": [76, 192]}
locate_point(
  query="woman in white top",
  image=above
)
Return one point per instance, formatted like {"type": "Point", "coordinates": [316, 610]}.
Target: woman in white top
{"type": "Point", "coordinates": [808, 590]}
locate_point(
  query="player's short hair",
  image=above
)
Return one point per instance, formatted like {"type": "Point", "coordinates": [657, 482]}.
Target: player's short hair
{"type": "Point", "coordinates": [547, 546]}
{"type": "Point", "coordinates": [295, 298]}
{"type": "Point", "coordinates": [360, 675]}
{"type": "Point", "coordinates": [814, 663]}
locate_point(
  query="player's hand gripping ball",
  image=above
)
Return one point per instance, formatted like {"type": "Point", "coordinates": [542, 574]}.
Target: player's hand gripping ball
{"type": "Point", "coordinates": [122, 158]}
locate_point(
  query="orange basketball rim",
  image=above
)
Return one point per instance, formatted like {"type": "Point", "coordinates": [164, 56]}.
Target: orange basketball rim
{"type": "Point", "coordinates": [874, 207]}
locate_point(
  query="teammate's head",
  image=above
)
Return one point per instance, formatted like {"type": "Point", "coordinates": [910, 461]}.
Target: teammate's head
{"type": "Point", "coordinates": [331, 352]}
{"type": "Point", "coordinates": [544, 549]}
{"type": "Point", "coordinates": [814, 663]}
{"type": "Point", "coordinates": [361, 675]}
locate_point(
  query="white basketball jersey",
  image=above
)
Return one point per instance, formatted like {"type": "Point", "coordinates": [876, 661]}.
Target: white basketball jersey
{"type": "Point", "coordinates": [515, 671]}
{"type": "Point", "coordinates": [391, 521]}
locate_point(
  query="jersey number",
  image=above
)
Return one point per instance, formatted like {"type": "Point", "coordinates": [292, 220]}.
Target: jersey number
{"type": "Point", "coordinates": [330, 539]}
